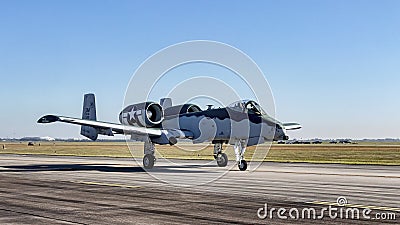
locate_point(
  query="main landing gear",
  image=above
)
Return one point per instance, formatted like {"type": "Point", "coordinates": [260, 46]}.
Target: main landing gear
{"type": "Point", "coordinates": [222, 158]}
{"type": "Point", "coordinates": [149, 158]}
{"type": "Point", "coordinates": [240, 148]}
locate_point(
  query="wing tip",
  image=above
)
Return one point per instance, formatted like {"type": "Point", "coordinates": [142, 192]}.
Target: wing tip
{"type": "Point", "coordinates": [292, 126]}
{"type": "Point", "coordinates": [48, 119]}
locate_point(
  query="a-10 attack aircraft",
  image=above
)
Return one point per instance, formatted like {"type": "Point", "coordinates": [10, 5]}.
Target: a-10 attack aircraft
{"type": "Point", "coordinates": [243, 123]}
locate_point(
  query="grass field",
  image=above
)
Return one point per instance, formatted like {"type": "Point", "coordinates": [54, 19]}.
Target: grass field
{"type": "Point", "coordinates": [365, 153]}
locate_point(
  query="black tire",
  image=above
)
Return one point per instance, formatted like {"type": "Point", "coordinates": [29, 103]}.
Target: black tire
{"type": "Point", "coordinates": [222, 159]}
{"type": "Point", "coordinates": [242, 165]}
{"type": "Point", "coordinates": [148, 161]}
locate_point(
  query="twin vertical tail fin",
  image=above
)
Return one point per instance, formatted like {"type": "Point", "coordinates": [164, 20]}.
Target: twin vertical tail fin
{"type": "Point", "coordinates": [89, 113]}
{"type": "Point", "coordinates": [166, 103]}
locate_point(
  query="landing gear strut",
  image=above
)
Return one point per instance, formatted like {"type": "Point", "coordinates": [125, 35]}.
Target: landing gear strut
{"type": "Point", "coordinates": [240, 148]}
{"type": "Point", "coordinates": [222, 158]}
{"type": "Point", "coordinates": [149, 158]}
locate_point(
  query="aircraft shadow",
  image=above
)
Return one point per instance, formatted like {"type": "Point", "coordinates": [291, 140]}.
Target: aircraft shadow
{"type": "Point", "coordinates": [103, 168]}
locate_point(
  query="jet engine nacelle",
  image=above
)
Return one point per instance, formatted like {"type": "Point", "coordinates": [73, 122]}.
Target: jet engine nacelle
{"type": "Point", "coordinates": [181, 109]}
{"type": "Point", "coordinates": [146, 114]}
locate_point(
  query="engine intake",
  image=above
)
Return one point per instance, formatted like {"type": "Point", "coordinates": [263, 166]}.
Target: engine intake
{"type": "Point", "coordinates": [146, 114]}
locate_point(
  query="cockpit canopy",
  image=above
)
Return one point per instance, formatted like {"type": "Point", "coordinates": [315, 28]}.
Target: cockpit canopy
{"type": "Point", "coordinates": [248, 106]}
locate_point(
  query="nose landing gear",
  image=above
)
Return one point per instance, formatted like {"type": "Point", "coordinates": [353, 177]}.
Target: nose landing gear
{"type": "Point", "coordinates": [222, 158]}
{"type": "Point", "coordinates": [240, 149]}
{"type": "Point", "coordinates": [242, 165]}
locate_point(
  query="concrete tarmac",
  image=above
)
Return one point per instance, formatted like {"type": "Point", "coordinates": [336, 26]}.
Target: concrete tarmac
{"type": "Point", "coordinates": [37, 189]}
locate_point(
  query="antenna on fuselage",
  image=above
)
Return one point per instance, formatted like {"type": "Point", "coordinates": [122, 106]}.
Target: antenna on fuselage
{"type": "Point", "coordinates": [209, 107]}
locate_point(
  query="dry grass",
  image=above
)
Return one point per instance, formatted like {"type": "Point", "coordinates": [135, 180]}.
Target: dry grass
{"type": "Point", "coordinates": [371, 153]}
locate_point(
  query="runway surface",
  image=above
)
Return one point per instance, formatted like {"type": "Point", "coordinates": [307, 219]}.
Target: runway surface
{"type": "Point", "coordinates": [95, 190]}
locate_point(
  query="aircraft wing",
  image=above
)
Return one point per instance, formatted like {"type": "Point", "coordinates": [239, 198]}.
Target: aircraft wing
{"type": "Point", "coordinates": [118, 128]}
{"type": "Point", "coordinates": [292, 126]}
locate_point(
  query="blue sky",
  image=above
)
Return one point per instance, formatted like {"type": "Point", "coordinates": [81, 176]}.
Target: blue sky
{"type": "Point", "coordinates": [333, 66]}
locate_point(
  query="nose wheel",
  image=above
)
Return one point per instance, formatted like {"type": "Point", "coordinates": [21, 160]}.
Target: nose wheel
{"type": "Point", "coordinates": [240, 149]}
{"type": "Point", "coordinates": [242, 165]}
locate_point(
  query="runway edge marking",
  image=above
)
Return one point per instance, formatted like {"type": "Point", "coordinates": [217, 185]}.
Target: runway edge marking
{"type": "Point", "coordinates": [332, 174]}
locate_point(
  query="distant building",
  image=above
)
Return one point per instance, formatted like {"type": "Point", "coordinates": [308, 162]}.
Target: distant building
{"type": "Point", "coordinates": [37, 139]}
